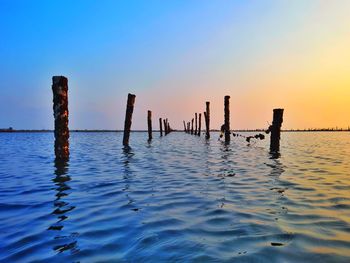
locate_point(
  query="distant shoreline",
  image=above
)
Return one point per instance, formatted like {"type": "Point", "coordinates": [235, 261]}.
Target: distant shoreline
{"type": "Point", "coordinates": [88, 131]}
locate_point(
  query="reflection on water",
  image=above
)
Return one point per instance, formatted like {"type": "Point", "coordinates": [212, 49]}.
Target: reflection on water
{"type": "Point", "coordinates": [180, 198]}
{"type": "Point", "coordinates": [62, 208]}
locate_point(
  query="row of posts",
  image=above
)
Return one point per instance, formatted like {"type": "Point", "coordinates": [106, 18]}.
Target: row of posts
{"type": "Point", "coordinates": [128, 120]}
{"type": "Point", "coordinates": [197, 120]}
{"type": "Point", "coordinates": [61, 113]}
{"type": "Point", "coordinates": [275, 129]}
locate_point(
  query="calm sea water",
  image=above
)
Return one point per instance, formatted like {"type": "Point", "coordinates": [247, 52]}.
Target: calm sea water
{"type": "Point", "coordinates": [178, 199]}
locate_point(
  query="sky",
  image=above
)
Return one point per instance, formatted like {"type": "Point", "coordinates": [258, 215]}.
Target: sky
{"type": "Point", "coordinates": [175, 55]}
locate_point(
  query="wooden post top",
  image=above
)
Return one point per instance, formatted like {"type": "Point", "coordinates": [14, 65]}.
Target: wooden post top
{"type": "Point", "coordinates": [59, 80]}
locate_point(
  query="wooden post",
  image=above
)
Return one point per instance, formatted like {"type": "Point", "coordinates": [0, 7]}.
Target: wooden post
{"type": "Point", "coordinates": [192, 126]}
{"type": "Point", "coordinates": [276, 130]}
{"type": "Point", "coordinates": [196, 121]}
{"type": "Point", "coordinates": [199, 124]}
{"type": "Point", "coordinates": [61, 113]}
{"type": "Point", "coordinates": [185, 130]}
{"type": "Point", "coordinates": [160, 126]}
{"type": "Point", "coordinates": [168, 128]}
{"type": "Point", "coordinates": [188, 127]}
{"type": "Point", "coordinates": [128, 117]}
{"type": "Point", "coordinates": [164, 122]}
{"type": "Point", "coordinates": [227, 118]}
{"type": "Point", "coordinates": [149, 124]}
{"type": "Point", "coordinates": [207, 120]}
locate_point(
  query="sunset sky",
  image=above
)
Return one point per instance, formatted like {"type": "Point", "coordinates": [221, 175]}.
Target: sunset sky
{"type": "Point", "coordinates": [175, 55]}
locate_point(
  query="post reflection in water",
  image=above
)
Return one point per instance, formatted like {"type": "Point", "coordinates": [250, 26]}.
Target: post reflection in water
{"type": "Point", "coordinates": [277, 170]}
{"type": "Point", "coordinates": [127, 155]}
{"type": "Point", "coordinates": [62, 208]}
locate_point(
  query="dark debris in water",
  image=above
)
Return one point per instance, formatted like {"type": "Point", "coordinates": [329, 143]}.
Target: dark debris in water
{"type": "Point", "coordinates": [279, 190]}
{"type": "Point", "coordinates": [230, 174]}
{"type": "Point", "coordinates": [276, 244]}
{"type": "Point", "coordinates": [135, 209]}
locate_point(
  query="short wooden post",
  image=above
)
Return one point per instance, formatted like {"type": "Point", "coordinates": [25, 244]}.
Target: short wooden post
{"type": "Point", "coordinates": [276, 130]}
{"type": "Point", "coordinates": [207, 120]}
{"type": "Point", "coordinates": [199, 124]}
{"type": "Point", "coordinates": [149, 124]}
{"type": "Point", "coordinates": [196, 123]}
{"type": "Point", "coordinates": [192, 126]}
{"type": "Point", "coordinates": [61, 113]}
{"type": "Point", "coordinates": [185, 130]}
{"type": "Point", "coordinates": [188, 127]}
{"type": "Point", "coordinates": [128, 117]}
{"type": "Point", "coordinates": [168, 128]}
{"type": "Point", "coordinates": [160, 126]}
{"type": "Point", "coordinates": [227, 118]}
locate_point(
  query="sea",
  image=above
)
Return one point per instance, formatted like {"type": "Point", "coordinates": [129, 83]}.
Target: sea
{"type": "Point", "coordinates": [177, 198]}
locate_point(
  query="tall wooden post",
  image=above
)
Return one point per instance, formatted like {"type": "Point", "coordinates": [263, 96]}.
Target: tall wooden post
{"type": "Point", "coordinates": [128, 116]}
{"type": "Point", "coordinates": [207, 120]}
{"type": "Point", "coordinates": [188, 127]}
{"type": "Point", "coordinates": [196, 122]}
{"type": "Point", "coordinates": [149, 124]}
{"type": "Point", "coordinates": [276, 130]}
{"type": "Point", "coordinates": [160, 127]}
{"type": "Point", "coordinates": [192, 126]}
{"type": "Point", "coordinates": [164, 122]}
{"type": "Point", "coordinates": [227, 118]}
{"type": "Point", "coordinates": [185, 130]}
{"type": "Point", "coordinates": [166, 126]}
{"type": "Point", "coordinates": [199, 124]}
{"type": "Point", "coordinates": [61, 113]}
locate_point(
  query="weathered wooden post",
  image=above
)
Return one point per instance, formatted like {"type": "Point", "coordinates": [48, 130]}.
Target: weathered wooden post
{"type": "Point", "coordinates": [168, 128]}
{"type": "Point", "coordinates": [192, 126]}
{"type": "Point", "coordinates": [199, 124]}
{"type": "Point", "coordinates": [60, 113]}
{"type": "Point", "coordinates": [275, 129]}
{"type": "Point", "coordinates": [185, 130]}
{"type": "Point", "coordinates": [128, 116]}
{"type": "Point", "coordinates": [196, 121]}
{"type": "Point", "coordinates": [149, 124]}
{"type": "Point", "coordinates": [160, 127]}
{"type": "Point", "coordinates": [227, 118]}
{"type": "Point", "coordinates": [188, 127]}
{"type": "Point", "coordinates": [207, 120]}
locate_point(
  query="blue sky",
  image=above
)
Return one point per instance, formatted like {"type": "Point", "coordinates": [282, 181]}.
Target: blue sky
{"type": "Point", "coordinates": [174, 55]}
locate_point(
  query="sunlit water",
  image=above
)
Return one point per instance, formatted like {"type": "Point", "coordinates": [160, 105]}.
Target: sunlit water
{"type": "Point", "coordinates": [178, 199]}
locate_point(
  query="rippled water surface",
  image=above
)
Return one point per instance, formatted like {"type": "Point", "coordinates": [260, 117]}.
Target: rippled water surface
{"type": "Point", "coordinates": [178, 199]}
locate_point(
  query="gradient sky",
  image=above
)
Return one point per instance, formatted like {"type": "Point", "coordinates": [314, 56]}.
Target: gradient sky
{"type": "Point", "coordinates": [175, 55]}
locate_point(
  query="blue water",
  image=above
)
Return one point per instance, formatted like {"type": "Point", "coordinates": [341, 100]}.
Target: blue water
{"type": "Point", "coordinates": [179, 198]}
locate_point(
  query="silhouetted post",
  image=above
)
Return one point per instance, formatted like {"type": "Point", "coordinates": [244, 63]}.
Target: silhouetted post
{"type": "Point", "coordinates": [192, 126]}
{"type": "Point", "coordinates": [188, 127]}
{"type": "Point", "coordinates": [128, 116]}
{"type": "Point", "coordinates": [199, 124]}
{"type": "Point", "coordinates": [196, 123]}
{"type": "Point", "coordinates": [60, 113]}
{"type": "Point", "coordinates": [160, 126]}
{"type": "Point", "coordinates": [168, 128]}
{"type": "Point", "coordinates": [164, 122]}
{"type": "Point", "coordinates": [207, 120]}
{"type": "Point", "coordinates": [184, 126]}
{"type": "Point", "coordinates": [275, 129]}
{"type": "Point", "coordinates": [149, 124]}
{"type": "Point", "coordinates": [227, 118]}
